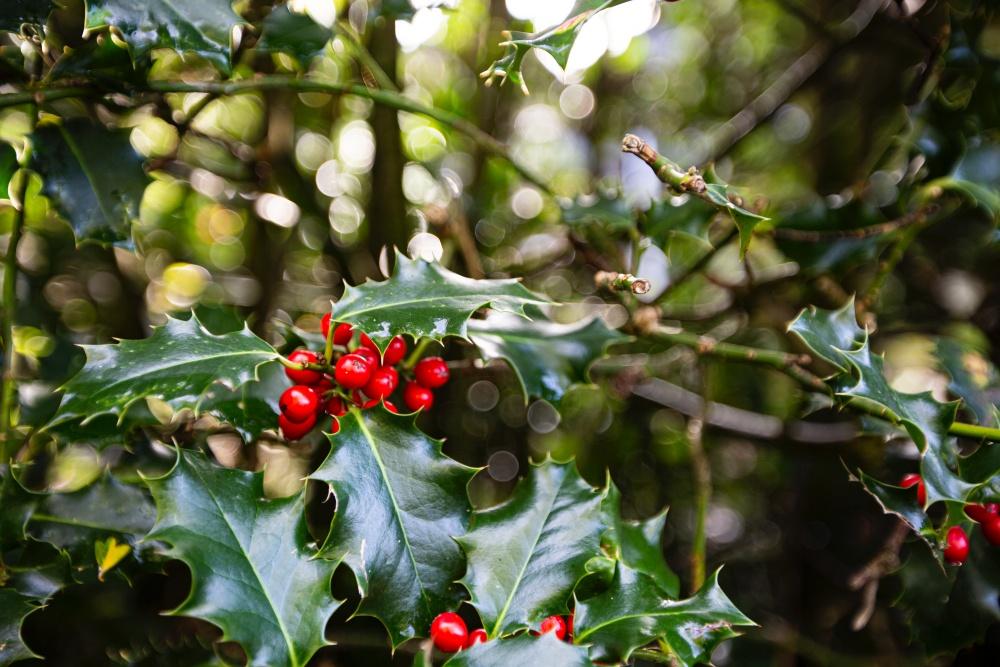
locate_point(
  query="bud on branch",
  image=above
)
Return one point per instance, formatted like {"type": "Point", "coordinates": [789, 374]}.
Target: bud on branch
{"type": "Point", "coordinates": [621, 282]}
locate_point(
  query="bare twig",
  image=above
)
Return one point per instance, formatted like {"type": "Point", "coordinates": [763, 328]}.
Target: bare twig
{"type": "Point", "coordinates": [867, 578]}
{"type": "Point", "coordinates": [823, 235]}
{"type": "Point", "coordinates": [621, 282]}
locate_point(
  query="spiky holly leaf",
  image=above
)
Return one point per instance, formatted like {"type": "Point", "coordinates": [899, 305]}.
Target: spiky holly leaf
{"type": "Point", "coordinates": [634, 611]}
{"type": "Point", "coordinates": [252, 408]}
{"type": "Point", "coordinates": [903, 503]}
{"type": "Point", "coordinates": [14, 606]}
{"type": "Point", "coordinates": [92, 174]}
{"type": "Point", "coordinates": [829, 333]}
{"type": "Point", "coordinates": [254, 569]}
{"type": "Point", "coordinates": [637, 543]}
{"type": "Point", "coordinates": [557, 41]}
{"type": "Point", "coordinates": [177, 364]}
{"type": "Point", "coordinates": [546, 357]}
{"type": "Point", "coordinates": [293, 33]}
{"type": "Point", "coordinates": [745, 220]}
{"type": "Point", "coordinates": [199, 26]}
{"type": "Point", "coordinates": [524, 649]}
{"type": "Point", "coordinates": [400, 503]}
{"type": "Point", "coordinates": [424, 299]}
{"type": "Point", "coordinates": [527, 554]}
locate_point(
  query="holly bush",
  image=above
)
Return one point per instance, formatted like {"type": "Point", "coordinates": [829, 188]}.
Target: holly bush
{"type": "Point", "coordinates": [323, 346]}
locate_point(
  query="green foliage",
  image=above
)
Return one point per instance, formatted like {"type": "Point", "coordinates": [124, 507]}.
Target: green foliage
{"type": "Point", "coordinates": [718, 194]}
{"type": "Point", "coordinates": [424, 299]}
{"type": "Point", "coordinates": [13, 608]}
{"type": "Point", "coordinates": [637, 543]}
{"type": "Point", "coordinates": [257, 577]}
{"type": "Point", "coordinates": [14, 13]}
{"type": "Point", "coordinates": [527, 554]}
{"type": "Point", "coordinates": [400, 503]}
{"type": "Point", "coordinates": [285, 31]}
{"type": "Point", "coordinates": [522, 650]}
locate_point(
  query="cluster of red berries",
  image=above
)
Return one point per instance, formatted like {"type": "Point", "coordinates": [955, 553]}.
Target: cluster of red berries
{"type": "Point", "coordinates": [360, 375]}
{"type": "Point", "coordinates": [956, 542]}
{"type": "Point", "coordinates": [449, 634]}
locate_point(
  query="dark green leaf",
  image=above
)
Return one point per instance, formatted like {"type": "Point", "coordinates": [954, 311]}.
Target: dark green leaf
{"type": "Point", "coordinates": [527, 554]}
{"type": "Point", "coordinates": [8, 165]}
{"type": "Point", "coordinates": [426, 299]}
{"type": "Point", "coordinates": [253, 567]}
{"type": "Point", "coordinates": [14, 13]}
{"type": "Point", "coordinates": [178, 364]}
{"type": "Point", "coordinates": [400, 503]}
{"type": "Point", "coordinates": [199, 26]}
{"type": "Point", "coordinates": [634, 612]}
{"type": "Point", "coordinates": [745, 220]}
{"type": "Point", "coordinates": [92, 174]}
{"type": "Point", "coordinates": [547, 357]}
{"type": "Point", "coordinates": [524, 649]}
{"type": "Point", "coordinates": [13, 608]}
{"type": "Point", "coordinates": [903, 503]}
{"type": "Point", "coordinates": [293, 33]}
{"type": "Point", "coordinates": [612, 213]}
{"type": "Point", "coordinates": [637, 543]}
{"type": "Point", "coordinates": [16, 505]}
{"type": "Point", "coordinates": [829, 333]}
{"type": "Point", "coordinates": [253, 407]}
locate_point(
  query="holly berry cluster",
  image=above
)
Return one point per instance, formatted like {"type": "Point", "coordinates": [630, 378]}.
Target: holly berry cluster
{"type": "Point", "coordinates": [450, 634]}
{"type": "Point", "coordinates": [956, 541]}
{"type": "Point", "coordinates": [357, 374]}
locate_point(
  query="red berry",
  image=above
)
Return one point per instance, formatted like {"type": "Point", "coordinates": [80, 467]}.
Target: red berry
{"type": "Point", "coordinates": [303, 376]}
{"type": "Point", "coordinates": [335, 407]}
{"type": "Point", "coordinates": [417, 397]}
{"type": "Point", "coordinates": [342, 334]}
{"type": "Point", "coordinates": [324, 325]}
{"type": "Point", "coordinates": [449, 632]}
{"type": "Point", "coordinates": [295, 430]}
{"type": "Point", "coordinates": [382, 383]}
{"type": "Point", "coordinates": [367, 342]}
{"type": "Point", "coordinates": [981, 513]}
{"type": "Point", "coordinates": [431, 372]}
{"type": "Point", "coordinates": [324, 385]}
{"type": "Point", "coordinates": [477, 636]}
{"type": "Point", "coordinates": [390, 407]}
{"type": "Point", "coordinates": [352, 371]}
{"type": "Point", "coordinates": [991, 530]}
{"type": "Point", "coordinates": [369, 355]}
{"type": "Point", "coordinates": [956, 548]}
{"type": "Point", "coordinates": [334, 426]}
{"type": "Point", "coordinates": [556, 624]}
{"type": "Point", "coordinates": [298, 403]}
{"type": "Point", "coordinates": [394, 352]}
{"type": "Point", "coordinates": [912, 479]}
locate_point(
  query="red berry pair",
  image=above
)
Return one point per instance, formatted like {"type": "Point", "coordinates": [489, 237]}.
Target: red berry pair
{"type": "Point", "coordinates": [429, 373]}
{"type": "Point", "coordinates": [956, 542]}
{"type": "Point", "coordinates": [561, 626]}
{"type": "Point", "coordinates": [449, 633]}
{"type": "Point", "coordinates": [988, 518]}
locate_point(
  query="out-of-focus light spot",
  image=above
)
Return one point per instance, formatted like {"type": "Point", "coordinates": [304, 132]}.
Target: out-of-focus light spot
{"type": "Point", "coordinates": [654, 267]}
{"type": "Point", "coordinates": [78, 315]}
{"type": "Point", "coordinates": [104, 287]}
{"type": "Point", "coordinates": [615, 316]}
{"type": "Point", "coordinates": [356, 146]}
{"type": "Point", "coordinates": [154, 137]}
{"type": "Point", "coordinates": [526, 203]}
{"type": "Point", "coordinates": [960, 293]}
{"type": "Point", "coordinates": [882, 188]}
{"type": "Point", "coordinates": [542, 14]}
{"type": "Point", "coordinates": [542, 417]}
{"type": "Point", "coordinates": [537, 123]}
{"type": "Point", "coordinates": [502, 466]}
{"type": "Point", "coordinates": [425, 246]}
{"type": "Point", "coordinates": [483, 395]}
{"type": "Point", "coordinates": [723, 524]}
{"type": "Point", "coordinates": [184, 283]}
{"type": "Point", "coordinates": [327, 180]}
{"type": "Point", "coordinates": [420, 187]}
{"type": "Point", "coordinates": [576, 101]}
{"type": "Point", "coordinates": [311, 150]}
{"type": "Point", "coordinates": [629, 20]}
{"type": "Point", "coordinates": [426, 143]}
{"type": "Point", "coordinates": [792, 123]}
{"type": "Point", "coordinates": [227, 256]}
{"type": "Point", "coordinates": [489, 234]}
{"type": "Point", "coordinates": [277, 209]}
{"type": "Point", "coordinates": [426, 24]}
{"type": "Point", "coordinates": [207, 183]}
{"type": "Point", "coordinates": [345, 215]}
{"type": "Point", "coordinates": [323, 12]}
{"type": "Point", "coordinates": [224, 224]}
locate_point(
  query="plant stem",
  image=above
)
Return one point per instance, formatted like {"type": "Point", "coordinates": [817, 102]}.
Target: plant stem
{"type": "Point", "coordinates": [417, 352]}
{"type": "Point", "coordinates": [702, 476]}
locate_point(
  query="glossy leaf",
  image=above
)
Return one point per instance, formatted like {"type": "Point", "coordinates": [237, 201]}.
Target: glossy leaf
{"type": "Point", "coordinates": [633, 612]}
{"type": "Point", "coordinates": [527, 554]}
{"type": "Point", "coordinates": [92, 174]}
{"type": "Point", "coordinates": [829, 333]}
{"type": "Point", "coordinates": [547, 357]}
{"type": "Point", "coordinates": [745, 220]}
{"type": "Point", "coordinates": [254, 569]}
{"type": "Point", "coordinates": [637, 543]}
{"type": "Point", "coordinates": [177, 364]}
{"type": "Point", "coordinates": [426, 299]}
{"type": "Point", "coordinates": [293, 33]}
{"type": "Point", "coordinates": [203, 27]}
{"type": "Point", "coordinates": [251, 408]}
{"type": "Point", "coordinates": [400, 504]}
{"type": "Point", "coordinates": [903, 503]}
{"type": "Point", "coordinates": [524, 649]}
{"type": "Point", "coordinates": [14, 606]}
{"type": "Point", "coordinates": [14, 13]}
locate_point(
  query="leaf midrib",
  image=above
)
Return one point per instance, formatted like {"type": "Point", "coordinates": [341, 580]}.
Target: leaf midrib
{"type": "Point", "coordinates": [487, 299]}
{"type": "Point", "coordinates": [75, 150]}
{"type": "Point", "coordinates": [267, 595]}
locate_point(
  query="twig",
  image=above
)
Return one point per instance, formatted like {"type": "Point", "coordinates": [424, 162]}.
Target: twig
{"type": "Point", "coordinates": [823, 235]}
{"type": "Point", "coordinates": [886, 266]}
{"type": "Point", "coordinates": [690, 181]}
{"type": "Point", "coordinates": [701, 472]}
{"type": "Point", "coordinates": [621, 282]}
{"type": "Point", "coordinates": [346, 32]}
{"type": "Point", "coordinates": [868, 577]}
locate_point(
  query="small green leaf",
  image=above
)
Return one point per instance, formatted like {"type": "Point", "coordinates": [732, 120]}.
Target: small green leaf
{"type": "Point", "coordinates": [527, 554]}
{"type": "Point", "coordinates": [637, 543]}
{"type": "Point", "coordinates": [199, 26]}
{"type": "Point", "coordinates": [293, 33]}
{"type": "Point", "coordinates": [634, 612]}
{"type": "Point", "coordinates": [177, 364]}
{"type": "Point", "coordinates": [547, 357]}
{"type": "Point", "coordinates": [14, 606]}
{"type": "Point", "coordinates": [400, 503]}
{"type": "Point", "coordinates": [524, 649]}
{"type": "Point", "coordinates": [424, 299]}
{"type": "Point", "coordinates": [92, 174]}
{"type": "Point", "coordinates": [745, 220]}
{"type": "Point", "coordinates": [14, 13]}
{"type": "Point", "coordinates": [254, 569]}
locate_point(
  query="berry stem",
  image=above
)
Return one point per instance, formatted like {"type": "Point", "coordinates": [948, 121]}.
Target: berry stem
{"type": "Point", "coordinates": [418, 351]}
{"type": "Point", "coordinates": [322, 368]}
{"type": "Point", "coordinates": [328, 348]}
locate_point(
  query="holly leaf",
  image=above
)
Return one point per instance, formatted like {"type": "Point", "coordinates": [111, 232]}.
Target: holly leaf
{"type": "Point", "coordinates": [829, 333]}
{"type": "Point", "coordinates": [92, 174]}
{"type": "Point", "coordinates": [903, 503]}
{"type": "Point", "coordinates": [203, 27]}
{"type": "Point", "coordinates": [400, 503]}
{"type": "Point", "coordinates": [14, 13]}
{"type": "Point", "coordinates": [634, 611]}
{"type": "Point", "coordinates": [293, 33]}
{"type": "Point", "coordinates": [251, 408]}
{"type": "Point", "coordinates": [745, 220]}
{"type": "Point", "coordinates": [524, 649]}
{"type": "Point", "coordinates": [546, 357]}
{"type": "Point", "coordinates": [556, 41]}
{"type": "Point", "coordinates": [14, 607]}
{"type": "Point", "coordinates": [254, 569]}
{"type": "Point", "coordinates": [527, 554]}
{"type": "Point", "coordinates": [424, 299]}
{"type": "Point", "coordinates": [177, 364]}
{"type": "Point", "coordinates": [637, 543]}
